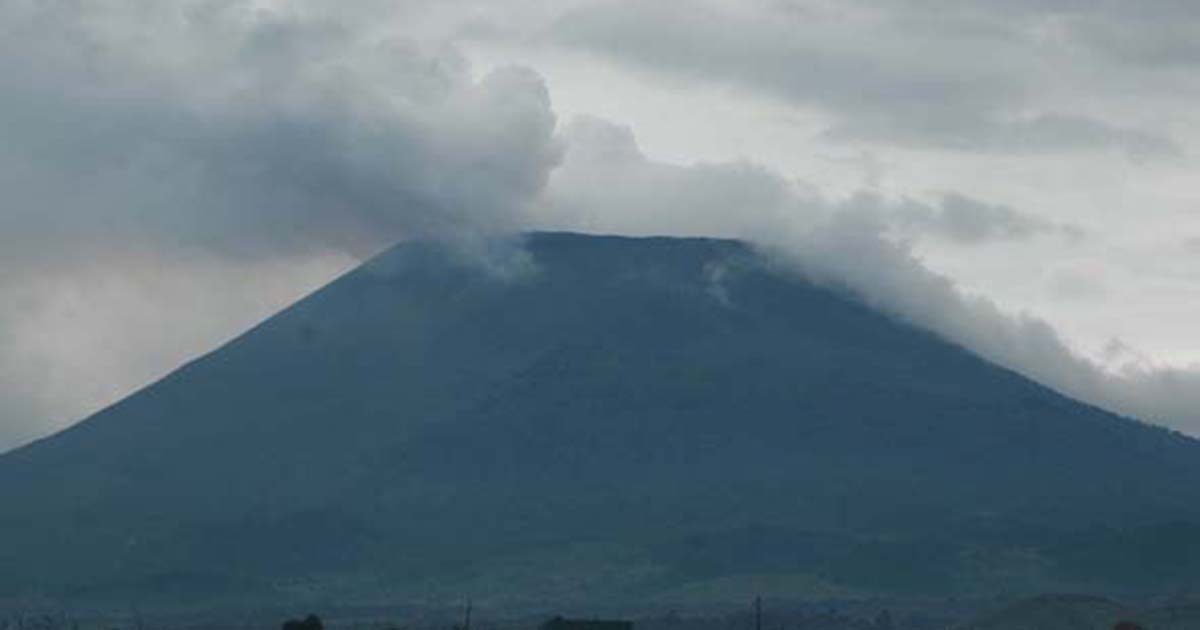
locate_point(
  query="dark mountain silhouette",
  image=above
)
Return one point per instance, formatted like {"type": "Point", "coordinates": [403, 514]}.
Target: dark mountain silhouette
{"type": "Point", "coordinates": [1083, 612]}
{"type": "Point", "coordinates": [1056, 612]}
{"type": "Point", "coordinates": [597, 417]}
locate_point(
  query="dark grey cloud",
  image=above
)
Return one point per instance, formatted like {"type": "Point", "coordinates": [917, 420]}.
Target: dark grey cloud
{"type": "Point", "coordinates": [993, 132]}
{"type": "Point", "coordinates": [174, 171]}
{"type": "Point", "coordinates": [962, 219]}
{"type": "Point", "coordinates": [960, 78]}
{"type": "Point", "coordinates": [212, 126]}
{"type": "Point", "coordinates": [1155, 34]}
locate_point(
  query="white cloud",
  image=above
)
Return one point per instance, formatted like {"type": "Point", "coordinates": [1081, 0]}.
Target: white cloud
{"type": "Point", "coordinates": [607, 185]}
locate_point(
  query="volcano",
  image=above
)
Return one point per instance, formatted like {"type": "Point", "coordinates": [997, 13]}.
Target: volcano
{"type": "Point", "coordinates": [598, 419]}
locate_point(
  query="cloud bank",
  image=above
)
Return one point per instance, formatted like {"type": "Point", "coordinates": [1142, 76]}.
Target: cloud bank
{"type": "Point", "coordinates": [606, 184]}
{"type": "Point", "coordinates": [175, 171]}
{"type": "Point", "coordinates": [248, 132]}
{"type": "Point", "coordinates": [978, 76]}
{"type": "Point", "coordinates": [961, 219]}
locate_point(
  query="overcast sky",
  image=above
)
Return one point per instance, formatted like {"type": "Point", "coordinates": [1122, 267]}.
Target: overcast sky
{"type": "Point", "coordinates": [1016, 176]}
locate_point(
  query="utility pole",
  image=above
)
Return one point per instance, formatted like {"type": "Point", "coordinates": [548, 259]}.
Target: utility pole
{"type": "Point", "coordinates": [467, 617]}
{"type": "Point", "coordinates": [758, 612]}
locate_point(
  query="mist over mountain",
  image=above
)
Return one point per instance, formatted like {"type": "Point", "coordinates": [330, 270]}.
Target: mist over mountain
{"type": "Point", "coordinates": [595, 419]}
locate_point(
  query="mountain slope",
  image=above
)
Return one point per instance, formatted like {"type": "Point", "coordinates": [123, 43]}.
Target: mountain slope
{"type": "Point", "coordinates": [680, 405]}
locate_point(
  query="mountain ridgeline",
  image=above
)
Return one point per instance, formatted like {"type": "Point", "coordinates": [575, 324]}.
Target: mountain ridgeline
{"type": "Point", "coordinates": [602, 419]}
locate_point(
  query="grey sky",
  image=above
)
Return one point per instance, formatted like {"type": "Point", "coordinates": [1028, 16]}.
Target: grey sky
{"type": "Point", "coordinates": [952, 78]}
{"type": "Point", "coordinates": [174, 172]}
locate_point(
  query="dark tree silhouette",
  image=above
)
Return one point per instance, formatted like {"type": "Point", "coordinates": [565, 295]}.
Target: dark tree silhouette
{"type": "Point", "coordinates": [311, 622]}
{"type": "Point", "coordinates": [1127, 625]}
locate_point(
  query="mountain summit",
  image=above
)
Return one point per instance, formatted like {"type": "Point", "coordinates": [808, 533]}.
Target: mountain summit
{"type": "Point", "coordinates": [597, 418]}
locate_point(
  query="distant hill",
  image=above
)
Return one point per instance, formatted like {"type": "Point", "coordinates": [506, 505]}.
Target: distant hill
{"type": "Point", "coordinates": [1082, 612]}
{"type": "Point", "coordinates": [599, 419]}
{"type": "Point", "coordinates": [1057, 612]}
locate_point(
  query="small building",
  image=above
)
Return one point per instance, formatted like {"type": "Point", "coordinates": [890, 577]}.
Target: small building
{"type": "Point", "coordinates": [561, 623]}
